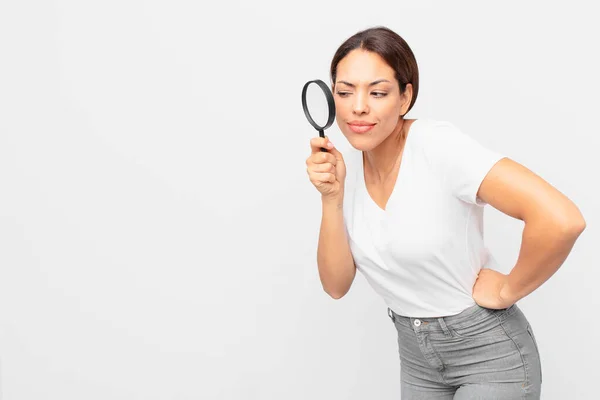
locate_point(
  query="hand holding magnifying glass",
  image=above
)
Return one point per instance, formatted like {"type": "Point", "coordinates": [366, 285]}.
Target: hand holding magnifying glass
{"type": "Point", "coordinates": [326, 171]}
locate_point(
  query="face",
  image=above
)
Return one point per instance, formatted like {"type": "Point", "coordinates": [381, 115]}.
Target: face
{"type": "Point", "coordinates": [366, 91]}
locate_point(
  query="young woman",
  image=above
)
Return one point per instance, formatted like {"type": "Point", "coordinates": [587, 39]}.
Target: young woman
{"type": "Point", "coordinates": [406, 209]}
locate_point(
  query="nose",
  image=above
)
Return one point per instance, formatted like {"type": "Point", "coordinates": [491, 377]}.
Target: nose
{"type": "Point", "coordinates": [360, 105]}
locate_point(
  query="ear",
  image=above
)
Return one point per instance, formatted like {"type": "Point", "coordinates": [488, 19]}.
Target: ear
{"type": "Point", "coordinates": [406, 98]}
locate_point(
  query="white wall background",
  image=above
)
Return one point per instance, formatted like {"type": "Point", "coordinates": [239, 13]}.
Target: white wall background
{"type": "Point", "coordinates": [158, 230]}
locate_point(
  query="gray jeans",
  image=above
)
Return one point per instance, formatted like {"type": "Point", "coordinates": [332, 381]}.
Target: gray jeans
{"type": "Point", "coordinates": [479, 353]}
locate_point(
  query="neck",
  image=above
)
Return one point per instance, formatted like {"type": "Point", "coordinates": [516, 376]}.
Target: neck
{"type": "Point", "coordinates": [384, 159]}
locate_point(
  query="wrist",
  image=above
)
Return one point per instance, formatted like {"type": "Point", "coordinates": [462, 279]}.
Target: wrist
{"type": "Point", "coordinates": [332, 203]}
{"type": "Point", "coordinates": [337, 198]}
{"type": "Point", "coordinates": [508, 293]}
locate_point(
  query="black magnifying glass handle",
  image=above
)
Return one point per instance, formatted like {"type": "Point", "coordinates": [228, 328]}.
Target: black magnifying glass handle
{"type": "Point", "coordinates": [323, 136]}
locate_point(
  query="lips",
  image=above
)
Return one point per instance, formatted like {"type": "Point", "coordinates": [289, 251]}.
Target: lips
{"type": "Point", "coordinates": [360, 128]}
{"type": "Point", "coordinates": [361, 123]}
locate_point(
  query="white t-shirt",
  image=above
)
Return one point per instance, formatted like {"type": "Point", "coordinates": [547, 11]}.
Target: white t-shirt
{"type": "Point", "coordinates": [422, 254]}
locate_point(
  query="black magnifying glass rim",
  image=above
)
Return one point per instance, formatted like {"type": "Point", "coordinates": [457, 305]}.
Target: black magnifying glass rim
{"type": "Point", "coordinates": [330, 103]}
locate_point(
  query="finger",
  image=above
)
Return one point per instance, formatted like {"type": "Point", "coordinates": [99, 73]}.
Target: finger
{"type": "Point", "coordinates": [336, 153]}
{"type": "Point", "coordinates": [324, 177]}
{"type": "Point", "coordinates": [325, 167]}
{"type": "Point", "coordinates": [317, 143]}
{"type": "Point", "coordinates": [322, 158]}
{"type": "Point", "coordinates": [328, 158]}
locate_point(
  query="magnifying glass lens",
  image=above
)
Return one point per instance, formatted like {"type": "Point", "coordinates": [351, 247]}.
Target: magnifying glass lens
{"type": "Point", "coordinates": [317, 105]}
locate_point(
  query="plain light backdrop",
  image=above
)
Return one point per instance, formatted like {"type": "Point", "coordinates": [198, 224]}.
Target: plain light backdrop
{"type": "Point", "coordinates": [158, 230]}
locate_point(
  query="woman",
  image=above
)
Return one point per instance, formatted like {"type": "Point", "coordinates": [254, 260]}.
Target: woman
{"type": "Point", "coordinates": [406, 209]}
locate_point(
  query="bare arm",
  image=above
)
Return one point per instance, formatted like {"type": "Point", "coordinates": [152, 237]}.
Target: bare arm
{"type": "Point", "coordinates": [334, 258]}
{"type": "Point", "coordinates": [552, 223]}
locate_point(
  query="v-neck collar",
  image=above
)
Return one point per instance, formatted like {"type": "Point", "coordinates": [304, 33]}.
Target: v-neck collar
{"type": "Point", "coordinates": [405, 153]}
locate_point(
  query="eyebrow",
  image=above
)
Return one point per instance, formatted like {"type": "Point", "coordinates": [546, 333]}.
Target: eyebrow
{"type": "Point", "coordinates": [370, 84]}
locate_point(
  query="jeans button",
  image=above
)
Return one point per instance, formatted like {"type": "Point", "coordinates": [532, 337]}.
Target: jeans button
{"type": "Point", "coordinates": [417, 322]}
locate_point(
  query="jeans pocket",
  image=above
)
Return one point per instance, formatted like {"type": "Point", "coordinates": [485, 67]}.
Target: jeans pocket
{"type": "Point", "coordinates": [530, 331]}
{"type": "Point", "coordinates": [488, 327]}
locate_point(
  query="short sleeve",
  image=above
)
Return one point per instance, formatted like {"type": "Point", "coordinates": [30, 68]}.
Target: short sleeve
{"type": "Point", "coordinates": [460, 160]}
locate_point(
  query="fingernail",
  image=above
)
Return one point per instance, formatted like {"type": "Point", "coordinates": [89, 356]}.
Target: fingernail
{"type": "Point", "coordinates": [330, 145]}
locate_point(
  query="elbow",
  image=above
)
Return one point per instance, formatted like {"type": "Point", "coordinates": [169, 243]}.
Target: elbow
{"type": "Point", "coordinates": [339, 286]}
{"type": "Point", "coordinates": [576, 228]}
{"type": "Point", "coordinates": [336, 295]}
{"type": "Point", "coordinates": [573, 223]}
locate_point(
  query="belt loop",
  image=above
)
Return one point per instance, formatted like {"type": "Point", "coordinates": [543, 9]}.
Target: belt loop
{"type": "Point", "coordinates": [391, 314]}
{"type": "Point", "coordinates": [444, 326]}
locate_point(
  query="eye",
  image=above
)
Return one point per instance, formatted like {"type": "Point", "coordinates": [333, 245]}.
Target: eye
{"type": "Point", "coordinates": [376, 94]}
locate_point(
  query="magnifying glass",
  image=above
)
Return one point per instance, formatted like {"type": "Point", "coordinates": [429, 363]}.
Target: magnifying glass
{"type": "Point", "coordinates": [322, 106]}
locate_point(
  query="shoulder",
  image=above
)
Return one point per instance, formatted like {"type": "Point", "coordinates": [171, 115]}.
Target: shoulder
{"type": "Point", "coordinates": [446, 146]}
{"type": "Point", "coordinates": [441, 138]}
{"type": "Point", "coordinates": [434, 131]}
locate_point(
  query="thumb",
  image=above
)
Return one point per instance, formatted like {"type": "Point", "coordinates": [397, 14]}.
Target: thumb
{"type": "Point", "coordinates": [333, 150]}
{"type": "Point", "coordinates": [336, 153]}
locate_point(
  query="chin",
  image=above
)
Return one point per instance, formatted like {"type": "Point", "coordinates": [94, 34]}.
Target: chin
{"type": "Point", "coordinates": [362, 143]}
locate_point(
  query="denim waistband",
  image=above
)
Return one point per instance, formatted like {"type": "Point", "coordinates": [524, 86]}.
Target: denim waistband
{"type": "Point", "coordinates": [468, 317]}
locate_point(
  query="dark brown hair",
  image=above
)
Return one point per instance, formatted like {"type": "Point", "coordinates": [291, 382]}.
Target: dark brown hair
{"type": "Point", "coordinates": [389, 46]}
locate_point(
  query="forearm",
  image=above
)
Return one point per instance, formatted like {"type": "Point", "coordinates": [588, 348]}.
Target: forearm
{"type": "Point", "coordinates": [334, 258]}
{"type": "Point", "coordinates": [544, 248]}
